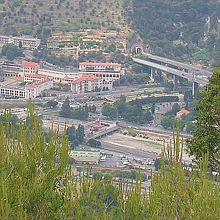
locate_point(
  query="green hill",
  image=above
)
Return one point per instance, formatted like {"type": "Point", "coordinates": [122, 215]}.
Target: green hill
{"type": "Point", "coordinates": [178, 28]}
{"type": "Point", "coordinates": [30, 16]}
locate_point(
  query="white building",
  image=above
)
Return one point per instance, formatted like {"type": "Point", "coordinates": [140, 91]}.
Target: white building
{"type": "Point", "coordinates": [26, 88]}
{"type": "Point", "coordinates": [109, 72]}
{"type": "Point", "coordinates": [86, 84]}
{"type": "Point", "coordinates": [59, 76]}
{"type": "Point", "coordinates": [26, 42]}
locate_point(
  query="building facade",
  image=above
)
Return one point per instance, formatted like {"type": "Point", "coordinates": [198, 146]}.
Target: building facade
{"type": "Point", "coordinates": [23, 87]}
{"type": "Point", "coordinates": [25, 42]}
{"type": "Point", "coordinates": [108, 72]}
{"type": "Point", "coordinates": [86, 84]}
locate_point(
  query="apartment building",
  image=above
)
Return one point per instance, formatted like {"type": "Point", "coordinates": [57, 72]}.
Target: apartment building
{"type": "Point", "coordinates": [59, 76]}
{"type": "Point", "coordinates": [10, 69]}
{"type": "Point", "coordinates": [86, 84]}
{"type": "Point", "coordinates": [19, 87]}
{"type": "Point", "coordinates": [30, 67]}
{"type": "Point", "coordinates": [25, 42]}
{"type": "Point", "coordinates": [108, 72]}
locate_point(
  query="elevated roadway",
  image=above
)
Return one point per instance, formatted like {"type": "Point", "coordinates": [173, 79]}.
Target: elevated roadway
{"type": "Point", "coordinates": [191, 77]}
{"type": "Point", "coordinates": [183, 66]}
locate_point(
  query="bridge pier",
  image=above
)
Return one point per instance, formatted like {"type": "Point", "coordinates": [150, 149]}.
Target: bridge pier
{"type": "Point", "coordinates": [195, 90]}
{"type": "Point", "coordinates": [152, 74]}
{"type": "Point", "coordinates": [175, 82]}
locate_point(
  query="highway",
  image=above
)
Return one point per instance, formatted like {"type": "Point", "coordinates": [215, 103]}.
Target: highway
{"type": "Point", "coordinates": [178, 64]}
{"type": "Point", "coordinates": [193, 78]}
{"type": "Point", "coordinates": [129, 150]}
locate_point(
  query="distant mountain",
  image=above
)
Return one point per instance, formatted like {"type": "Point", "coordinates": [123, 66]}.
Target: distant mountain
{"type": "Point", "coordinates": [178, 28]}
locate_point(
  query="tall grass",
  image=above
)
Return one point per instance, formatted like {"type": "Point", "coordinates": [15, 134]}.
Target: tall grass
{"type": "Point", "coordinates": [36, 183]}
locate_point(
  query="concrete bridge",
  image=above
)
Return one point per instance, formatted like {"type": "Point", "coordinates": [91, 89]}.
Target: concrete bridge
{"type": "Point", "coordinates": [195, 75]}
{"type": "Point", "coordinates": [103, 133]}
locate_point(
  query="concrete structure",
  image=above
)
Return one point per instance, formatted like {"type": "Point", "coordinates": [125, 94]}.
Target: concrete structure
{"type": "Point", "coordinates": [108, 72]}
{"type": "Point", "coordinates": [26, 88]}
{"type": "Point", "coordinates": [162, 108]}
{"type": "Point", "coordinates": [86, 83]}
{"type": "Point", "coordinates": [60, 76]}
{"type": "Point", "coordinates": [25, 42]}
{"type": "Point", "coordinates": [10, 69]}
{"type": "Point", "coordinates": [30, 67]}
{"type": "Point", "coordinates": [177, 69]}
{"type": "Point", "coordinates": [85, 157]}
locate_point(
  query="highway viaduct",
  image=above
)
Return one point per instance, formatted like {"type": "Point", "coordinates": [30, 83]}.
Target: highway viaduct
{"type": "Point", "coordinates": [197, 76]}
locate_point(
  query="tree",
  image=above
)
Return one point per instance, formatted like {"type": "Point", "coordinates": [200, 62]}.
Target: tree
{"type": "Point", "coordinates": [71, 133]}
{"type": "Point", "coordinates": [169, 86]}
{"type": "Point", "coordinates": [174, 110]}
{"type": "Point", "coordinates": [94, 143]}
{"type": "Point", "coordinates": [168, 122]}
{"type": "Point", "coordinates": [32, 172]}
{"type": "Point", "coordinates": [109, 111]}
{"type": "Point", "coordinates": [51, 104]}
{"type": "Point", "coordinates": [80, 133]}
{"type": "Point", "coordinates": [66, 110]}
{"type": "Point", "coordinates": [207, 133]}
{"type": "Point", "coordinates": [11, 51]}
{"type": "Point", "coordinates": [190, 127]}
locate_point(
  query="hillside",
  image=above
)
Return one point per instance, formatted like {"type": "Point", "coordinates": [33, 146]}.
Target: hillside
{"type": "Point", "coordinates": [32, 16]}
{"type": "Point", "coordinates": [177, 28]}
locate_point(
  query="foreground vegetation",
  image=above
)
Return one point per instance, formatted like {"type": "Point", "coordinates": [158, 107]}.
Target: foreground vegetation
{"type": "Point", "coordinates": [36, 183]}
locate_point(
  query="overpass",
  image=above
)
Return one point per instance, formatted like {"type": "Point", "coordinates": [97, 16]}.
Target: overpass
{"type": "Point", "coordinates": [103, 133]}
{"type": "Point", "coordinates": [195, 75]}
{"type": "Point", "coordinates": [179, 65]}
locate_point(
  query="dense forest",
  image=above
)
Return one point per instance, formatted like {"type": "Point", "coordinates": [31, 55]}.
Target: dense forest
{"type": "Point", "coordinates": [177, 28]}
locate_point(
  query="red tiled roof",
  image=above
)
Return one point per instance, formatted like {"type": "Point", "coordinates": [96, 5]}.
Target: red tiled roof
{"type": "Point", "coordinates": [35, 84]}
{"type": "Point", "coordinates": [85, 78]}
{"type": "Point", "coordinates": [100, 64]}
{"type": "Point", "coordinates": [18, 78]}
{"type": "Point", "coordinates": [29, 64]}
{"type": "Point", "coordinates": [38, 76]}
{"type": "Point", "coordinates": [184, 111]}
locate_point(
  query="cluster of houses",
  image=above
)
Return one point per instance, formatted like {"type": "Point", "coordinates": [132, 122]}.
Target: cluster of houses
{"type": "Point", "coordinates": [29, 80]}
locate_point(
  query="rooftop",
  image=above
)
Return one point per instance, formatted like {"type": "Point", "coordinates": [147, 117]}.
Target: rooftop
{"type": "Point", "coordinates": [99, 64]}
{"type": "Point", "coordinates": [37, 76]}
{"type": "Point", "coordinates": [15, 83]}
{"type": "Point", "coordinates": [85, 78]}
{"type": "Point", "coordinates": [184, 111]}
{"type": "Point", "coordinates": [29, 64]}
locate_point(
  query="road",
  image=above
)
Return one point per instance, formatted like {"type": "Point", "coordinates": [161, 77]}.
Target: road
{"type": "Point", "coordinates": [179, 64]}
{"type": "Point", "coordinates": [129, 150]}
{"type": "Point", "coordinates": [190, 76]}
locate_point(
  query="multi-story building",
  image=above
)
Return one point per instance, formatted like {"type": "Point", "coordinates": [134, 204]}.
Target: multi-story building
{"type": "Point", "coordinates": [86, 84]}
{"type": "Point", "coordinates": [108, 72]}
{"type": "Point", "coordinates": [25, 42]}
{"type": "Point", "coordinates": [29, 89]}
{"type": "Point", "coordinates": [59, 76]}
{"type": "Point", "coordinates": [30, 67]}
{"type": "Point", "coordinates": [10, 69]}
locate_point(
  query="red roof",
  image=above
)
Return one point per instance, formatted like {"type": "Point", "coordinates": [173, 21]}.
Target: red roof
{"type": "Point", "coordinates": [100, 64]}
{"type": "Point", "coordinates": [18, 78]}
{"type": "Point", "coordinates": [85, 78]}
{"type": "Point", "coordinates": [36, 84]}
{"type": "Point", "coordinates": [184, 111]}
{"type": "Point", "coordinates": [37, 76]}
{"type": "Point", "coordinates": [29, 64]}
